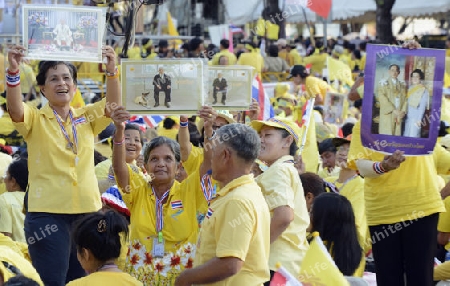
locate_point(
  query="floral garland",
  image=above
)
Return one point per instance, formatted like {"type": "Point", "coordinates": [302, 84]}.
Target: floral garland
{"type": "Point", "coordinates": [37, 19]}
{"type": "Point", "coordinates": [86, 22]}
{"type": "Point", "coordinates": [153, 271]}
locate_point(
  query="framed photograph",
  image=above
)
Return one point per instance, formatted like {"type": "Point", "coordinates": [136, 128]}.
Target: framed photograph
{"type": "Point", "coordinates": [333, 111]}
{"type": "Point", "coordinates": [63, 32]}
{"type": "Point", "coordinates": [230, 87]}
{"type": "Point", "coordinates": [402, 99]}
{"type": "Point", "coordinates": [163, 86]}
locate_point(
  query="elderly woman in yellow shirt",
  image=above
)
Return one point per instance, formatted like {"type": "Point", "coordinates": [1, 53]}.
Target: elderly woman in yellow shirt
{"type": "Point", "coordinates": [62, 183]}
{"type": "Point", "coordinates": [283, 192]}
{"type": "Point", "coordinates": [164, 227]}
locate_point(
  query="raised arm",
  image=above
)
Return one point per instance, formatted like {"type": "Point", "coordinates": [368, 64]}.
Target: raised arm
{"type": "Point", "coordinates": [208, 114]}
{"type": "Point", "coordinates": [119, 116]}
{"type": "Point", "coordinates": [13, 91]}
{"type": "Point", "coordinates": [184, 138]}
{"type": "Point", "coordinates": [113, 90]}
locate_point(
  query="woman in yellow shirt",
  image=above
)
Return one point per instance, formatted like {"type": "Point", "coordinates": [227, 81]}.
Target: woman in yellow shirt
{"type": "Point", "coordinates": [60, 142]}
{"type": "Point", "coordinates": [315, 87]}
{"type": "Point", "coordinates": [98, 241]}
{"type": "Point", "coordinates": [164, 227]}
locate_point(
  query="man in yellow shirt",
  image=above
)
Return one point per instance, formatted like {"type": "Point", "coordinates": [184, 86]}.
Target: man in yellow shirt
{"type": "Point", "coordinates": [234, 242]}
{"type": "Point", "coordinates": [252, 58]}
{"type": "Point", "coordinates": [224, 52]}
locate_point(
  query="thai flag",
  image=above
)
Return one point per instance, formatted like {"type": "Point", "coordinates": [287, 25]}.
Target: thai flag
{"type": "Point", "coordinates": [307, 110]}
{"type": "Point", "coordinates": [258, 93]}
{"type": "Point", "coordinates": [209, 213]}
{"type": "Point", "coordinates": [79, 120]}
{"type": "Point", "coordinates": [144, 121]}
{"type": "Point", "coordinates": [177, 205]}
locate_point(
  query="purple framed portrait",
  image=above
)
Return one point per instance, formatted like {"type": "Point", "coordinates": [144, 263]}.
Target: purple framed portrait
{"type": "Point", "coordinates": [402, 99]}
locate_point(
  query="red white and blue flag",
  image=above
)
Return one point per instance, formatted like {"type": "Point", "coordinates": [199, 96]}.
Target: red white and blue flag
{"type": "Point", "coordinates": [146, 120]}
{"type": "Point", "coordinates": [177, 205]}
{"type": "Point", "coordinates": [258, 93]}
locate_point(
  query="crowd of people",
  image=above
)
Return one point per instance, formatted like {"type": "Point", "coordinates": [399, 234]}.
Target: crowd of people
{"type": "Point", "coordinates": [215, 198]}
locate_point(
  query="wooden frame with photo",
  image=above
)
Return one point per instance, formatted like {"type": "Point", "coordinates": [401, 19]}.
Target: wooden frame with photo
{"type": "Point", "coordinates": [163, 86]}
{"type": "Point", "coordinates": [63, 32]}
{"type": "Point", "coordinates": [229, 87]}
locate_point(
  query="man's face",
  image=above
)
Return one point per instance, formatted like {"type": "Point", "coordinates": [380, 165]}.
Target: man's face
{"type": "Point", "coordinates": [297, 80]}
{"type": "Point", "coordinates": [328, 159]}
{"type": "Point", "coordinates": [219, 75]}
{"type": "Point", "coordinates": [161, 70]}
{"type": "Point", "coordinates": [394, 72]}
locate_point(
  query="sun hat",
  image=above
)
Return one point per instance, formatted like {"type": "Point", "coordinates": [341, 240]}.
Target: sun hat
{"type": "Point", "coordinates": [225, 114]}
{"type": "Point", "coordinates": [278, 122]}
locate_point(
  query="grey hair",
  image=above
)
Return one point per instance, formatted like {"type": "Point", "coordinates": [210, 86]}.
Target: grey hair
{"type": "Point", "coordinates": [160, 141]}
{"type": "Point", "coordinates": [241, 138]}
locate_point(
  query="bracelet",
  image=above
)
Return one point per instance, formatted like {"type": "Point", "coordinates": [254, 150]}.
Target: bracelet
{"type": "Point", "coordinates": [212, 136]}
{"type": "Point", "coordinates": [378, 168]}
{"type": "Point", "coordinates": [113, 74]}
{"type": "Point", "coordinates": [184, 123]}
{"type": "Point", "coordinates": [119, 143]}
{"type": "Point", "coordinates": [12, 73]}
{"type": "Point", "coordinates": [13, 80]}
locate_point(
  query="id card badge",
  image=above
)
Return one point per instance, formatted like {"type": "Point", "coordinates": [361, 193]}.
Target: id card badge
{"type": "Point", "coordinates": [158, 247]}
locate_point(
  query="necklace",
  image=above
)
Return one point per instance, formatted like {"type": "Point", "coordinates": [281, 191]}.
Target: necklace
{"type": "Point", "coordinates": [346, 181]}
{"type": "Point", "coordinates": [107, 266]}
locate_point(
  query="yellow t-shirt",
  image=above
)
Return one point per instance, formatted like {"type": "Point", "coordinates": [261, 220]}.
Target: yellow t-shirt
{"type": "Point", "coordinates": [102, 169]}
{"type": "Point", "coordinates": [407, 193]}
{"type": "Point", "coordinates": [353, 190]}
{"type": "Point", "coordinates": [180, 229]}
{"type": "Point", "coordinates": [169, 133]}
{"type": "Point", "coordinates": [106, 278]}
{"type": "Point", "coordinates": [194, 161]}
{"type": "Point", "coordinates": [238, 225]}
{"type": "Point", "coordinates": [444, 220]}
{"type": "Point", "coordinates": [325, 173]}
{"type": "Point", "coordinates": [11, 215]}
{"type": "Point", "coordinates": [317, 61]}
{"type": "Point", "coordinates": [6, 128]}
{"type": "Point", "coordinates": [281, 186]}
{"type": "Point", "coordinates": [442, 272]}
{"type": "Point", "coordinates": [60, 181]}
{"type": "Point", "coordinates": [314, 86]}
{"type": "Point", "coordinates": [11, 257]}
{"type": "Point", "coordinates": [231, 58]}
{"type": "Point", "coordinates": [294, 58]}
{"type": "Point", "coordinates": [5, 160]}
{"type": "Point", "coordinates": [252, 59]}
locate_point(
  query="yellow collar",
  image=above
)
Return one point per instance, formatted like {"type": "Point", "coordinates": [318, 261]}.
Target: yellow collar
{"type": "Point", "coordinates": [242, 180]}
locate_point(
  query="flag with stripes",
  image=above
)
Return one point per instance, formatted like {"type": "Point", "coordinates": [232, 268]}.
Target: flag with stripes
{"type": "Point", "coordinates": [258, 93]}
{"type": "Point", "coordinates": [145, 121]}
{"type": "Point", "coordinates": [79, 120]}
{"type": "Point", "coordinates": [209, 213]}
{"type": "Point", "coordinates": [176, 204]}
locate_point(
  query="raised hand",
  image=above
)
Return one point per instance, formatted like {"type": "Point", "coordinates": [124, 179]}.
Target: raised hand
{"type": "Point", "coordinates": [208, 114]}
{"type": "Point", "coordinates": [119, 116]}
{"type": "Point", "coordinates": [15, 56]}
{"type": "Point", "coordinates": [110, 54]}
{"type": "Point", "coordinates": [392, 162]}
{"type": "Point", "coordinates": [254, 110]}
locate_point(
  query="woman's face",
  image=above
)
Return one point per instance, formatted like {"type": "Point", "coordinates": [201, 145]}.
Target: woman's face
{"type": "Point", "coordinates": [341, 155]}
{"type": "Point", "coordinates": [59, 87]}
{"type": "Point", "coordinates": [133, 145]}
{"type": "Point", "coordinates": [415, 78]}
{"type": "Point", "coordinates": [273, 145]}
{"type": "Point", "coordinates": [161, 164]}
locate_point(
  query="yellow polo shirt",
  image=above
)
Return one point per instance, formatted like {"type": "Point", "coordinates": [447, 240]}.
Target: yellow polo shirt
{"type": "Point", "coordinates": [231, 57]}
{"type": "Point", "coordinates": [11, 215]}
{"type": "Point", "coordinates": [5, 160]}
{"type": "Point", "coordinates": [238, 225]}
{"type": "Point", "coordinates": [180, 229]}
{"type": "Point", "coordinates": [281, 186]}
{"type": "Point", "coordinates": [252, 59]}
{"type": "Point", "coordinates": [407, 193]}
{"type": "Point", "coordinates": [106, 278]}
{"type": "Point", "coordinates": [56, 183]}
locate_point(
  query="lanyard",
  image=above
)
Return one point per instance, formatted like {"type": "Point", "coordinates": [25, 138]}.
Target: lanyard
{"type": "Point", "coordinates": [159, 212]}
{"type": "Point", "coordinates": [73, 146]}
{"type": "Point", "coordinates": [346, 181]}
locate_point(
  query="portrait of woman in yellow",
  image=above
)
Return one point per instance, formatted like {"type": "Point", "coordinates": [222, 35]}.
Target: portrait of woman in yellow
{"type": "Point", "coordinates": [164, 226]}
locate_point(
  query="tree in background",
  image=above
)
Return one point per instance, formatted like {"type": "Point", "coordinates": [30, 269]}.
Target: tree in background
{"type": "Point", "coordinates": [384, 21]}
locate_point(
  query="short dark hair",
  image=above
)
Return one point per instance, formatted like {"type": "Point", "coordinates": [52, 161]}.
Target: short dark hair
{"type": "Point", "coordinates": [327, 146]}
{"type": "Point", "coordinates": [225, 43]}
{"type": "Point", "coordinates": [312, 183]}
{"type": "Point", "coordinates": [420, 73]}
{"type": "Point", "coordinates": [168, 123]}
{"type": "Point", "coordinates": [45, 66]}
{"type": "Point", "coordinates": [243, 139]}
{"type": "Point", "coordinates": [347, 129]}
{"type": "Point", "coordinates": [100, 233]}
{"type": "Point", "coordinates": [131, 126]}
{"type": "Point", "coordinates": [18, 170]}
{"type": "Point", "coordinates": [21, 280]}
{"type": "Point", "coordinates": [273, 51]}
{"type": "Point", "coordinates": [194, 44]}
{"type": "Point", "coordinates": [160, 141]}
{"type": "Point", "coordinates": [395, 65]}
